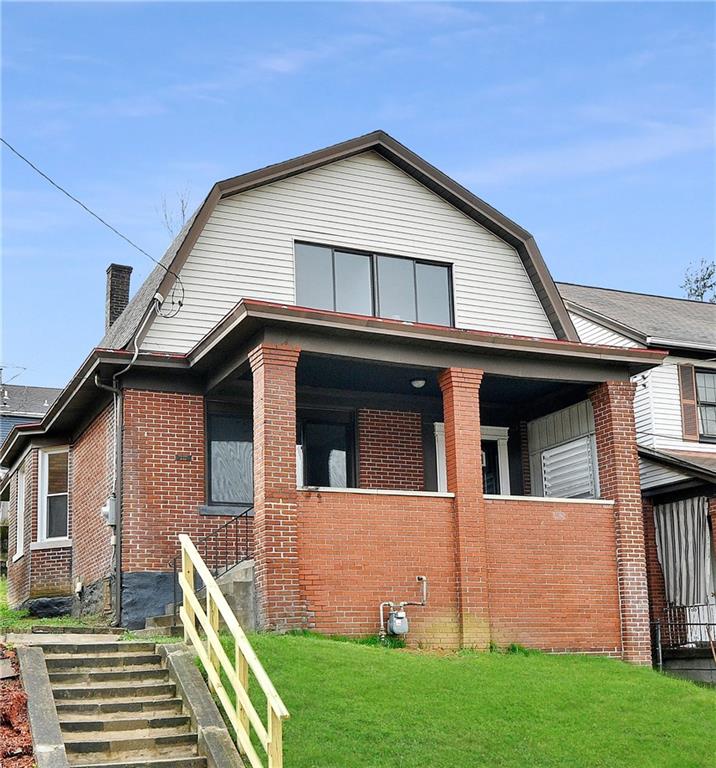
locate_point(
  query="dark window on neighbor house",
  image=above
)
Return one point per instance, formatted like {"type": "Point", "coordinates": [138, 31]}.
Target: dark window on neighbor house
{"type": "Point", "coordinates": [706, 394]}
{"type": "Point", "coordinates": [230, 459]}
{"type": "Point", "coordinates": [370, 284]}
{"type": "Point", "coordinates": [490, 467]}
{"type": "Point", "coordinates": [54, 494]}
{"type": "Point", "coordinates": [326, 452]}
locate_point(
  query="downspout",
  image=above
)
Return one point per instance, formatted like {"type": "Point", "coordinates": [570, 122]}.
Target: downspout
{"type": "Point", "coordinates": [116, 391]}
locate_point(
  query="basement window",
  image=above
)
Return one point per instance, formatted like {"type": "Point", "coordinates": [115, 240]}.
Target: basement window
{"type": "Point", "coordinates": [53, 509]}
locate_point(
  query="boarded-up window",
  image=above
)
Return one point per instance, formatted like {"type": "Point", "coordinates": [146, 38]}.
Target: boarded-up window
{"type": "Point", "coordinates": [568, 470]}
{"type": "Point", "coordinates": [231, 459]}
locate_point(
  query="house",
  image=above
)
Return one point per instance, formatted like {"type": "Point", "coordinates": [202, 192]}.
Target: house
{"type": "Point", "coordinates": [355, 372]}
{"type": "Point", "coordinates": [675, 409]}
{"type": "Point", "coordinates": [18, 405]}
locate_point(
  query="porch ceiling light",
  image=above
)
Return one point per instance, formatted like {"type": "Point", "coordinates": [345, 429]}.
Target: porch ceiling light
{"type": "Point", "coordinates": [418, 383]}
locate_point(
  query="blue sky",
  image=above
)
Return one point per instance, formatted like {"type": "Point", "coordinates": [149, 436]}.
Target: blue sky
{"type": "Point", "coordinates": [591, 125]}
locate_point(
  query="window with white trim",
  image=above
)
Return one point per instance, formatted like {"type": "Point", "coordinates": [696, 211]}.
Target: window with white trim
{"type": "Point", "coordinates": [706, 398]}
{"type": "Point", "coordinates": [53, 510]}
{"type": "Point", "coordinates": [20, 514]}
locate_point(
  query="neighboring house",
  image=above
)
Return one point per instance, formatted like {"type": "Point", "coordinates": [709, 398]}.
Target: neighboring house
{"type": "Point", "coordinates": [371, 371]}
{"type": "Point", "coordinates": [675, 409]}
{"type": "Point", "coordinates": [18, 405]}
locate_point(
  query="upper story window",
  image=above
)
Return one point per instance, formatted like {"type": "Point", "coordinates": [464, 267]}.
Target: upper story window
{"type": "Point", "coordinates": [53, 511]}
{"type": "Point", "coordinates": [706, 398]}
{"type": "Point", "coordinates": [393, 287]}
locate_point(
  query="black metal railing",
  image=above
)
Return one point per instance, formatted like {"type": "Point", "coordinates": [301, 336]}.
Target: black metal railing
{"type": "Point", "coordinates": [224, 548]}
{"type": "Point", "coordinates": [690, 626]}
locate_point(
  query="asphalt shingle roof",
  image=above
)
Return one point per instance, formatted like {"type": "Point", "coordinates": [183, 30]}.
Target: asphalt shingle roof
{"type": "Point", "coordinates": [18, 400]}
{"type": "Point", "coordinates": [657, 316]}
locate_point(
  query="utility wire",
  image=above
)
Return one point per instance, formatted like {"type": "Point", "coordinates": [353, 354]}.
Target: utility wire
{"type": "Point", "coordinates": [100, 219]}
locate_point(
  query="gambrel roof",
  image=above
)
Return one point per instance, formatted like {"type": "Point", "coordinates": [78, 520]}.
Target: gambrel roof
{"type": "Point", "coordinates": [160, 280]}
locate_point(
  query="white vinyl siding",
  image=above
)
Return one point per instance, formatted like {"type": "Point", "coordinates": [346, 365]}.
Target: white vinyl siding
{"type": "Point", "coordinates": [557, 429]}
{"type": "Point", "coordinates": [246, 249]}
{"type": "Point", "coordinates": [568, 470]}
{"type": "Point", "coordinates": [592, 333]}
{"type": "Point", "coordinates": [654, 474]}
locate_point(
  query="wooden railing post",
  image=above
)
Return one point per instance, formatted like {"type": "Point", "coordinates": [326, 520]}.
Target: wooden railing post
{"type": "Point", "coordinates": [275, 739]}
{"type": "Point", "coordinates": [242, 672]}
{"type": "Point", "coordinates": [212, 612]}
{"type": "Point", "coordinates": [187, 568]}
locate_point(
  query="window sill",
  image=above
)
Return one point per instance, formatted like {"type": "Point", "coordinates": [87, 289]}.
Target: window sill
{"type": "Point", "coordinates": [227, 510]}
{"type": "Point", "coordinates": [550, 499]}
{"type": "Point", "coordinates": [18, 556]}
{"type": "Point", "coordinates": [51, 544]}
{"type": "Point", "coordinates": [374, 491]}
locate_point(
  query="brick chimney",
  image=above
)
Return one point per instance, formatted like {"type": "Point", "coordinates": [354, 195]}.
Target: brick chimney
{"type": "Point", "coordinates": [117, 293]}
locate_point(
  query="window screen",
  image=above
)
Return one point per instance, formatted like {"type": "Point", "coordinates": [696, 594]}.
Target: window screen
{"type": "Point", "coordinates": [231, 458]}
{"type": "Point", "coordinates": [568, 470]}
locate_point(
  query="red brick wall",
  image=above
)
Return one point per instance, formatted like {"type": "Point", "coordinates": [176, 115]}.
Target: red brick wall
{"type": "Point", "coordinates": [390, 450]}
{"type": "Point", "coordinates": [90, 487]}
{"type": "Point", "coordinates": [356, 550]}
{"type": "Point", "coordinates": [619, 480]}
{"type": "Point", "coordinates": [51, 572]}
{"type": "Point", "coordinates": [19, 572]}
{"type": "Point", "coordinates": [553, 575]}
{"type": "Point", "coordinates": [161, 493]}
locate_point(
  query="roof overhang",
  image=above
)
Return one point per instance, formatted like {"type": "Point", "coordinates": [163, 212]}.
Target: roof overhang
{"type": "Point", "coordinates": [426, 174]}
{"type": "Point", "coordinates": [703, 468]}
{"type": "Point", "coordinates": [225, 348]}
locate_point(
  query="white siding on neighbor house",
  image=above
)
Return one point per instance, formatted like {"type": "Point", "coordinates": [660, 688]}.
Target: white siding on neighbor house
{"type": "Point", "coordinates": [594, 333]}
{"type": "Point", "coordinates": [365, 203]}
{"type": "Point", "coordinates": [654, 474]}
{"type": "Point", "coordinates": [556, 429]}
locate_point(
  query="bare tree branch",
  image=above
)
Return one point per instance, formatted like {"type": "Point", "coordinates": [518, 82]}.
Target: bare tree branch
{"type": "Point", "coordinates": [174, 216]}
{"type": "Point", "coordinates": [700, 281]}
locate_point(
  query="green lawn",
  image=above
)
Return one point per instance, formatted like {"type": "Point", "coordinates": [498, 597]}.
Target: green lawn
{"type": "Point", "coordinates": [359, 706]}
{"type": "Point", "coordinates": [19, 621]}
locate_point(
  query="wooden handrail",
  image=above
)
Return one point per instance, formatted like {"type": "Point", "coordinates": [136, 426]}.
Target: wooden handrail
{"type": "Point", "coordinates": [242, 715]}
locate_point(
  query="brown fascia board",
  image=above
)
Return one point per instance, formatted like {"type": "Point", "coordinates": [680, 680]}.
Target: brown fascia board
{"type": "Point", "coordinates": [676, 463]}
{"type": "Point", "coordinates": [104, 362]}
{"type": "Point", "coordinates": [607, 322]}
{"type": "Point", "coordinates": [250, 313]}
{"type": "Point", "coordinates": [425, 173]}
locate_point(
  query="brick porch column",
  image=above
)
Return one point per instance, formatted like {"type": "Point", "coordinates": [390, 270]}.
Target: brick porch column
{"type": "Point", "coordinates": [619, 480]}
{"type": "Point", "coordinates": [275, 507]}
{"type": "Point", "coordinates": [463, 453]}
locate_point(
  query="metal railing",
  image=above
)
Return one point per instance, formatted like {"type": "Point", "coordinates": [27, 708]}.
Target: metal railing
{"type": "Point", "coordinates": [241, 714]}
{"type": "Point", "coordinates": [690, 626]}
{"type": "Point", "coordinates": [221, 550]}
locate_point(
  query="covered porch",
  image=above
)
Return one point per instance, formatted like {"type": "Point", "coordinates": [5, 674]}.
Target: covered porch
{"type": "Point", "coordinates": [505, 472]}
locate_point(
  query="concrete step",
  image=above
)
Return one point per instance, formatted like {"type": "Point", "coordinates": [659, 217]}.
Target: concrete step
{"type": "Point", "coordinates": [112, 690]}
{"type": "Point", "coordinates": [150, 745]}
{"type": "Point", "coordinates": [58, 662]}
{"type": "Point", "coordinates": [84, 649]}
{"type": "Point", "coordinates": [166, 620]}
{"type": "Point", "coordinates": [132, 723]}
{"type": "Point", "coordinates": [177, 761]}
{"type": "Point", "coordinates": [170, 631]}
{"type": "Point", "coordinates": [91, 675]}
{"type": "Point", "coordinates": [148, 707]}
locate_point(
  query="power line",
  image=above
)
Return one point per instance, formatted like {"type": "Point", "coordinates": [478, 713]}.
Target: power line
{"type": "Point", "coordinates": [22, 157]}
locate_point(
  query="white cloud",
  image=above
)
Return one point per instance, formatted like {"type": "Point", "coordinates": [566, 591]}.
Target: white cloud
{"type": "Point", "coordinates": [653, 142]}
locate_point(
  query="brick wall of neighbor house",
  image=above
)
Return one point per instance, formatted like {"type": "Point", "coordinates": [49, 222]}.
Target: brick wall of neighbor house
{"type": "Point", "coordinates": [18, 583]}
{"type": "Point", "coordinates": [51, 572]}
{"type": "Point", "coordinates": [390, 450]}
{"type": "Point", "coordinates": [613, 404]}
{"type": "Point", "coordinates": [90, 486]}
{"type": "Point", "coordinates": [357, 550]}
{"type": "Point", "coordinates": [163, 478]}
{"type": "Point", "coordinates": [552, 575]}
